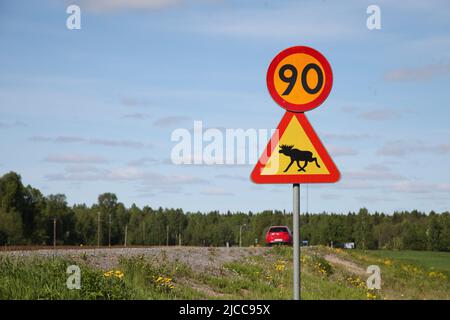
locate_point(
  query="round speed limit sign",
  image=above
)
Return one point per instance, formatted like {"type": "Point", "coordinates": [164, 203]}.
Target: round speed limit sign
{"type": "Point", "coordinates": [299, 79]}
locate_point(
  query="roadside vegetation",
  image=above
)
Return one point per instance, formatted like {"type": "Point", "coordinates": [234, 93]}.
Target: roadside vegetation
{"type": "Point", "coordinates": [326, 274]}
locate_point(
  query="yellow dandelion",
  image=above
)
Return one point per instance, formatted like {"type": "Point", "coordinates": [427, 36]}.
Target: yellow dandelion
{"type": "Point", "coordinates": [108, 274]}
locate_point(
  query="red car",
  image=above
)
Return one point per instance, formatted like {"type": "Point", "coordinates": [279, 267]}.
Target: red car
{"type": "Point", "coordinates": [278, 235]}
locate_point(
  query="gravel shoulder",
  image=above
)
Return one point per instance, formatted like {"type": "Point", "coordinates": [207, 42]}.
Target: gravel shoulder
{"type": "Point", "coordinates": [198, 258]}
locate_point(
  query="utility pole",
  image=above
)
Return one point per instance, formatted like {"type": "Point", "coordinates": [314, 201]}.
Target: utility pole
{"type": "Point", "coordinates": [167, 235]}
{"type": "Point", "coordinates": [98, 230]}
{"type": "Point", "coordinates": [143, 232]}
{"type": "Point", "coordinates": [54, 233]}
{"type": "Point", "coordinates": [126, 231]}
{"type": "Point", "coordinates": [240, 234]}
{"type": "Point", "coordinates": [109, 232]}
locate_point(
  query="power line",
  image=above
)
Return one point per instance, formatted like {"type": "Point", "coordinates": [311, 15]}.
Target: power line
{"type": "Point", "coordinates": [307, 198]}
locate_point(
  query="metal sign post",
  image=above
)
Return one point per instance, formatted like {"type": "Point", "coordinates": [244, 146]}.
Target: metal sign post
{"type": "Point", "coordinates": [296, 217]}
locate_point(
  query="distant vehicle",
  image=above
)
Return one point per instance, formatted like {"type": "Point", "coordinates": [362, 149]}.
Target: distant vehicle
{"type": "Point", "coordinates": [278, 235]}
{"type": "Point", "coordinates": [349, 245]}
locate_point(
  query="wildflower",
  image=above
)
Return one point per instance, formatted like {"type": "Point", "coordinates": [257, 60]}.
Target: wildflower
{"type": "Point", "coordinates": [163, 282]}
{"type": "Point", "coordinates": [387, 262]}
{"type": "Point", "coordinates": [356, 282]}
{"type": "Point", "coordinates": [118, 274]}
{"type": "Point", "coordinates": [108, 274]}
{"type": "Point", "coordinates": [320, 268]}
{"type": "Point", "coordinates": [436, 274]}
{"type": "Point", "coordinates": [280, 265]}
{"type": "Point", "coordinates": [370, 295]}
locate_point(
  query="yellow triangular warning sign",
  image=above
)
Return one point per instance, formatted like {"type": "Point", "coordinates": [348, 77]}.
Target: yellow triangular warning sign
{"type": "Point", "coordinates": [295, 155]}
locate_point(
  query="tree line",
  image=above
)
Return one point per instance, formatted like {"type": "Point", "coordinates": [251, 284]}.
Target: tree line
{"type": "Point", "coordinates": [28, 217]}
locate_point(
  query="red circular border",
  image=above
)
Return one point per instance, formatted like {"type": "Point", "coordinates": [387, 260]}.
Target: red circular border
{"type": "Point", "coordinates": [306, 106]}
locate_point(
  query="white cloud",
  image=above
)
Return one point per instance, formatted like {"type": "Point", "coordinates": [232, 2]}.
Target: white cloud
{"type": "Point", "coordinates": [402, 148]}
{"type": "Point", "coordinates": [284, 20]}
{"type": "Point", "coordinates": [106, 6]}
{"type": "Point", "coordinates": [213, 191]}
{"type": "Point", "coordinates": [346, 136]}
{"type": "Point", "coordinates": [378, 172]}
{"type": "Point", "coordinates": [128, 173]}
{"type": "Point", "coordinates": [65, 139]}
{"type": "Point", "coordinates": [422, 73]}
{"type": "Point", "coordinates": [74, 158]}
{"type": "Point", "coordinates": [355, 184]}
{"type": "Point", "coordinates": [349, 109]}
{"type": "Point", "coordinates": [93, 141]}
{"type": "Point", "coordinates": [137, 116]}
{"type": "Point", "coordinates": [370, 198]}
{"type": "Point", "coordinates": [342, 151]}
{"type": "Point", "coordinates": [143, 161]}
{"type": "Point", "coordinates": [373, 113]}
{"type": "Point", "coordinates": [170, 121]}
{"type": "Point", "coordinates": [81, 168]}
{"type": "Point", "coordinates": [119, 143]}
{"type": "Point", "coordinates": [130, 102]}
{"type": "Point", "coordinates": [12, 124]}
{"type": "Point", "coordinates": [232, 177]}
{"type": "Point", "coordinates": [380, 115]}
{"type": "Point", "coordinates": [330, 196]}
{"type": "Point", "coordinates": [420, 187]}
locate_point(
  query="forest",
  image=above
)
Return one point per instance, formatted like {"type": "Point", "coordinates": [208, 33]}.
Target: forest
{"type": "Point", "coordinates": [27, 217]}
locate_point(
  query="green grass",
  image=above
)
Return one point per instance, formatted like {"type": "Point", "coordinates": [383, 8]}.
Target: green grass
{"type": "Point", "coordinates": [409, 274]}
{"type": "Point", "coordinates": [405, 275]}
{"type": "Point", "coordinates": [426, 259]}
{"type": "Point", "coordinates": [46, 279]}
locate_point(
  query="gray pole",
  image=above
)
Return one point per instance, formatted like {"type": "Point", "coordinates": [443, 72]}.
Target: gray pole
{"type": "Point", "coordinates": [54, 232]}
{"type": "Point", "coordinates": [240, 233]}
{"type": "Point", "coordinates": [143, 232]}
{"type": "Point", "coordinates": [167, 235]}
{"type": "Point", "coordinates": [109, 232]}
{"type": "Point", "coordinates": [240, 236]}
{"type": "Point", "coordinates": [296, 216]}
{"type": "Point", "coordinates": [98, 230]}
{"type": "Point", "coordinates": [126, 231]}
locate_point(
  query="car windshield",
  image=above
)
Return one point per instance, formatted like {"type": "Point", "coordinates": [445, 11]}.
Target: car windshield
{"type": "Point", "coordinates": [278, 229]}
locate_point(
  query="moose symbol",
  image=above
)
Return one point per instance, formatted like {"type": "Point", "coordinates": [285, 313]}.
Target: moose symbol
{"type": "Point", "coordinates": [297, 156]}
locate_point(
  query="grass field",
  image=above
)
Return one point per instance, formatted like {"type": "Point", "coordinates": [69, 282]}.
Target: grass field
{"type": "Point", "coordinates": [425, 259]}
{"type": "Point", "coordinates": [220, 273]}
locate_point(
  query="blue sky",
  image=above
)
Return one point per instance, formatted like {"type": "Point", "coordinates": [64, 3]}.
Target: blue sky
{"type": "Point", "coordinates": [89, 111]}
